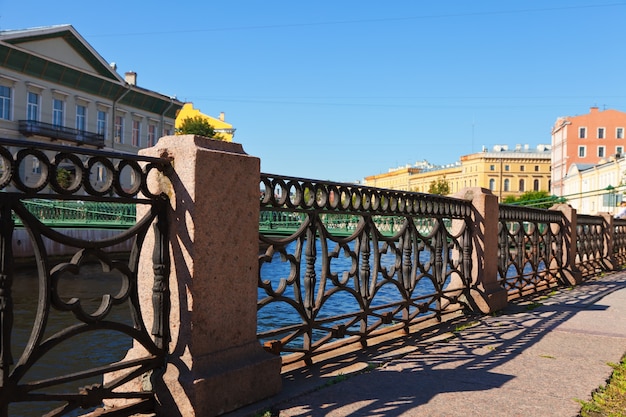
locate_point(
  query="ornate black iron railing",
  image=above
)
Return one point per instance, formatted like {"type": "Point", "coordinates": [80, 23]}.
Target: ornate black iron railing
{"type": "Point", "coordinates": [68, 317]}
{"type": "Point", "coordinates": [530, 249]}
{"type": "Point", "coordinates": [619, 240]}
{"type": "Point", "coordinates": [400, 259]}
{"type": "Point", "coordinates": [590, 244]}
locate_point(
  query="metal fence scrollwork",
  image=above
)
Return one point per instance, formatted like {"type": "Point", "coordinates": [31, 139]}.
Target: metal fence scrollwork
{"type": "Point", "coordinates": [356, 262]}
{"type": "Point", "coordinates": [84, 301]}
{"type": "Point", "coordinates": [530, 249]}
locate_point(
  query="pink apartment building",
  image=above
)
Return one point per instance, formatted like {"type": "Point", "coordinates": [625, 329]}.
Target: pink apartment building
{"type": "Point", "coordinates": [587, 139]}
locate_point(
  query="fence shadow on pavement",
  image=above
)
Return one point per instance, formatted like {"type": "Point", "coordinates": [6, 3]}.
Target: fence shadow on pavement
{"type": "Point", "coordinates": [398, 375]}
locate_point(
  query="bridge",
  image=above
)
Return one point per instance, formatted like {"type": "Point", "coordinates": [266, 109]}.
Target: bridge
{"type": "Point", "coordinates": [107, 215]}
{"type": "Point", "coordinates": [81, 214]}
{"type": "Point", "coordinates": [194, 284]}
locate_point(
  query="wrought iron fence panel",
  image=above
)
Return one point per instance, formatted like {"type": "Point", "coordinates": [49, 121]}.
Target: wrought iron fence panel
{"type": "Point", "coordinates": [530, 249]}
{"type": "Point", "coordinates": [619, 240]}
{"type": "Point", "coordinates": [590, 245]}
{"type": "Point", "coordinates": [356, 262]}
{"type": "Point", "coordinates": [54, 359]}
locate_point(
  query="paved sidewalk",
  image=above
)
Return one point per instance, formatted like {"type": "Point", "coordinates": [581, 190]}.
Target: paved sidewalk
{"type": "Point", "coordinates": [534, 359]}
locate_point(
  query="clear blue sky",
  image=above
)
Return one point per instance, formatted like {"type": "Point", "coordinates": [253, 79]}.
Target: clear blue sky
{"type": "Point", "coordinates": [340, 90]}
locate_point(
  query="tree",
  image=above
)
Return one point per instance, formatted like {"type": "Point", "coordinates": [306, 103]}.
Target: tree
{"type": "Point", "coordinates": [440, 186]}
{"type": "Point", "coordinates": [64, 178]}
{"type": "Point", "coordinates": [197, 126]}
{"type": "Point", "coordinates": [539, 199]}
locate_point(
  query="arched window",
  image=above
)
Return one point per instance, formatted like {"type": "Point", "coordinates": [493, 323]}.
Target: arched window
{"type": "Point", "coordinates": [506, 184]}
{"type": "Point", "coordinates": [536, 185]}
{"type": "Point", "coordinates": [492, 184]}
{"type": "Point", "coordinates": [521, 185]}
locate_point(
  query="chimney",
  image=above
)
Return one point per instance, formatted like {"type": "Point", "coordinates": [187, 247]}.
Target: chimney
{"type": "Point", "coordinates": [593, 109]}
{"type": "Point", "coordinates": [131, 77]}
{"type": "Point", "coordinates": [222, 116]}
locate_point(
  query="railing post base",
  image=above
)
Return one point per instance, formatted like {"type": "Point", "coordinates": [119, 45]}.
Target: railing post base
{"type": "Point", "coordinates": [488, 298]}
{"type": "Point", "coordinates": [215, 364]}
{"type": "Point", "coordinates": [570, 274]}
{"type": "Point", "coordinates": [486, 293]}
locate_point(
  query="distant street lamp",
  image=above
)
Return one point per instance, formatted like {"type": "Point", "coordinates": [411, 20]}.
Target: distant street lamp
{"type": "Point", "coordinates": [612, 200]}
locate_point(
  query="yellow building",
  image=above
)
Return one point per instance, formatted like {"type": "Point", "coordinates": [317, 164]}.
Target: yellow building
{"type": "Point", "coordinates": [505, 172]}
{"type": "Point", "coordinates": [225, 130]}
{"type": "Point", "coordinates": [397, 178]}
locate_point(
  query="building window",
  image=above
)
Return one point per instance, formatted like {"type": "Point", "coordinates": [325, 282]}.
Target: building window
{"type": "Point", "coordinates": [101, 174]}
{"type": "Point", "coordinates": [152, 129]}
{"type": "Point", "coordinates": [492, 184]}
{"type": "Point", "coordinates": [81, 118]}
{"type": "Point", "coordinates": [119, 129]}
{"type": "Point", "coordinates": [58, 106]}
{"type": "Point", "coordinates": [102, 123]}
{"type": "Point", "coordinates": [536, 185]}
{"type": "Point", "coordinates": [5, 102]}
{"type": "Point", "coordinates": [619, 133]}
{"type": "Point", "coordinates": [506, 167]}
{"type": "Point", "coordinates": [36, 166]}
{"type": "Point", "coordinates": [492, 167]}
{"type": "Point", "coordinates": [507, 184]}
{"type": "Point", "coordinates": [600, 133]}
{"type": "Point", "coordinates": [521, 168]}
{"type": "Point", "coordinates": [601, 151]}
{"type": "Point", "coordinates": [582, 132]}
{"type": "Point", "coordinates": [32, 106]}
{"type": "Point", "coordinates": [619, 150]}
{"type": "Point", "coordinates": [581, 151]}
{"type": "Point", "coordinates": [521, 185]}
{"type": "Point", "coordinates": [536, 168]}
{"type": "Point", "coordinates": [136, 133]}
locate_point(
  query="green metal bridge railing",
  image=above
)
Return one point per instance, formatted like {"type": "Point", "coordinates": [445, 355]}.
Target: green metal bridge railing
{"type": "Point", "coordinates": [81, 214]}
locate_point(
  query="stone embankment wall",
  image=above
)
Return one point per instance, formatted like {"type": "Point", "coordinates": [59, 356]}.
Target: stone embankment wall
{"type": "Point", "coordinates": [23, 246]}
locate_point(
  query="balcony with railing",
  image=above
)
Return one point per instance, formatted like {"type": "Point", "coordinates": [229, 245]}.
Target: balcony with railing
{"type": "Point", "coordinates": [80, 137]}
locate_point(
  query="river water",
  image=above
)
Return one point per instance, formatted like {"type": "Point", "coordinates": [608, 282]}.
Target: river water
{"type": "Point", "coordinates": [81, 352]}
{"type": "Point", "coordinates": [103, 347]}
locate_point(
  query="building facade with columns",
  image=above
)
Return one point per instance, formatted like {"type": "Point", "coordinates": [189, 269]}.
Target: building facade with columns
{"type": "Point", "coordinates": [506, 172]}
{"type": "Point", "coordinates": [593, 189]}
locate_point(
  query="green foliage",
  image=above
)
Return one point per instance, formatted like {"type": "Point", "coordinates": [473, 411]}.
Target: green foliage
{"type": "Point", "coordinates": [64, 178]}
{"type": "Point", "coordinates": [440, 187]}
{"type": "Point", "coordinates": [509, 199]}
{"type": "Point", "coordinates": [539, 199]}
{"type": "Point", "coordinates": [197, 126]}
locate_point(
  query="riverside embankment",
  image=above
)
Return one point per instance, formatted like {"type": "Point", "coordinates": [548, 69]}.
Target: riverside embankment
{"type": "Point", "coordinates": [537, 357]}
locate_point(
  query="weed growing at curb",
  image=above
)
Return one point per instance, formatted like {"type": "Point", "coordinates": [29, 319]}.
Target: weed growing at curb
{"type": "Point", "coordinates": [608, 400]}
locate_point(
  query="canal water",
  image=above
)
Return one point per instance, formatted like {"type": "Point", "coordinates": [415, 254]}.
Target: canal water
{"type": "Point", "coordinates": [279, 270]}
{"type": "Point", "coordinates": [104, 347]}
{"type": "Point", "coordinates": [81, 352]}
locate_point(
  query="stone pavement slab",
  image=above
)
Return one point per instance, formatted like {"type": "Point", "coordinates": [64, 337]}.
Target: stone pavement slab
{"type": "Point", "coordinates": [534, 359]}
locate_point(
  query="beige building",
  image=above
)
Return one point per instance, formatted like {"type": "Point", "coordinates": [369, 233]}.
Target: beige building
{"type": "Point", "coordinates": [592, 189]}
{"type": "Point", "coordinates": [502, 170]}
{"type": "Point", "coordinates": [54, 87]}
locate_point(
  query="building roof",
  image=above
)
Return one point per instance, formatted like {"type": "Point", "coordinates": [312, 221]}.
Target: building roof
{"type": "Point", "coordinates": [21, 51]}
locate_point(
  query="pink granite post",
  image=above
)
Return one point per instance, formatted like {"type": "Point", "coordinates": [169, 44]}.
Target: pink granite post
{"type": "Point", "coordinates": [486, 294]}
{"type": "Point", "coordinates": [570, 272]}
{"type": "Point", "coordinates": [608, 257]}
{"type": "Point", "coordinates": [216, 363]}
